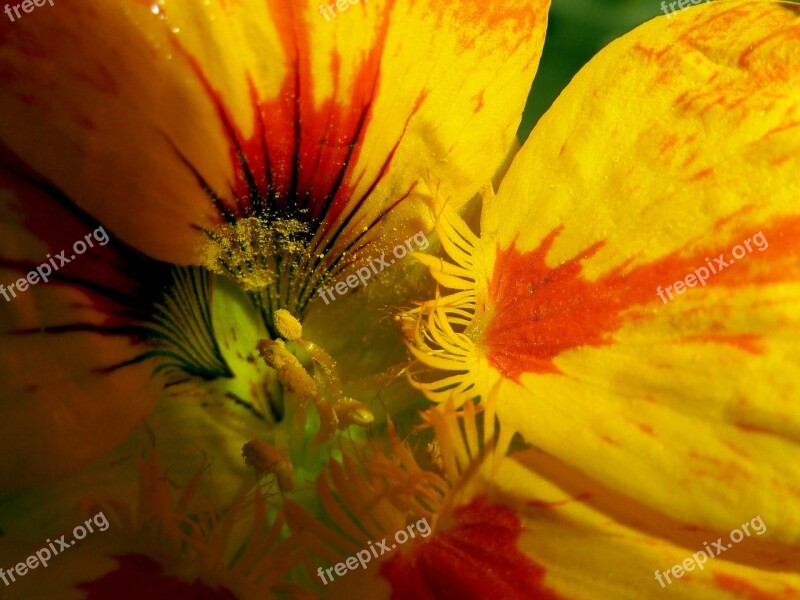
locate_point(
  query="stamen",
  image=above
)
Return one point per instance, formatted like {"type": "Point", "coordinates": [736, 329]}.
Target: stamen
{"type": "Point", "coordinates": [442, 333]}
{"type": "Point", "coordinates": [181, 530]}
{"type": "Point", "coordinates": [352, 412]}
{"type": "Point", "coordinates": [291, 373]}
{"type": "Point", "coordinates": [268, 460]}
{"type": "Point", "coordinates": [385, 487]}
{"type": "Point", "coordinates": [324, 389]}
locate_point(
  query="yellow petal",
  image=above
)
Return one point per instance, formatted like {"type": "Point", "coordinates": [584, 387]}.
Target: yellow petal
{"type": "Point", "coordinates": [676, 143]}
{"type": "Point", "coordinates": [687, 405]}
{"type": "Point", "coordinates": [596, 544]}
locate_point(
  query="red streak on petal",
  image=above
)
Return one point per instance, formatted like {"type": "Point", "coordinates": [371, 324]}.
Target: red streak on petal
{"type": "Point", "coordinates": [748, 343]}
{"type": "Point", "coordinates": [140, 577]}
{"type": "Point", "coordinates": [477, 559]}
{"type": "Point", "coordinates": [300, 154]}
{"type": "Point", "coordinates": [551, 505]}
{"type": "Point", "coordinates": [541, 311]}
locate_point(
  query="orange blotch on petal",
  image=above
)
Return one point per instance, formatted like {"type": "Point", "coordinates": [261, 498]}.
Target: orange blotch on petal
{"type": "Point", "coordinates": [538, 311]}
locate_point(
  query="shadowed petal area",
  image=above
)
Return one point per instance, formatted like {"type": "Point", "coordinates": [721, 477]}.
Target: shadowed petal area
{"type": "Point", "coordinates": [75, 378]}
{"type": "Point", "coordinates": [195, 114]}
{"type": "Point", "coordinates": [148, 535]}
{"type": "Point", "coordinates": [139, 576]}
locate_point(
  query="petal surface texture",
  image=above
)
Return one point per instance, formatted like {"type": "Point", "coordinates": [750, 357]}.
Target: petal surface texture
{"type": "Point", "coordinates": [596, 545]}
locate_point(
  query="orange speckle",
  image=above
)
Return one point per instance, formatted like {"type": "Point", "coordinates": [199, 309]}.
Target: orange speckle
{"type": "Point", "coordinates": [549, 505]}
{"type": "Point", "coordinates": [668, 142]}
{"type": "Point", "coordinates": [478, 102]}
{"type": "Point", "coordinates": [610, 441]}
{"type": "Point", "coordinates": [690, 159]}
{"type": "Point", "coordinates": [701, 174]}
{"type": "Point", "coordinates": [736, 450]}
{"type": "Point", "coordinates": [747, 342]}
{"type": "Point", "coordinates": [784, 127]}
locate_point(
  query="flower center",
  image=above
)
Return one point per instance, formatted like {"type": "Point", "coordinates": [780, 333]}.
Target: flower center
{"type": "Point", "coordinates": [310, 378]}
{"type": "Point", "coordinates": [271, 386]}
{"type": "Point", "coordinates": [278, 262]}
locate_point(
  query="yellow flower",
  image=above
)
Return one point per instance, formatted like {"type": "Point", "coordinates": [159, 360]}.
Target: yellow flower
{"type": "Point", "coordinates": [664, 414]}
{"type": "Point", "coordinates": [258, 164]}
{"type": "Point", "coordinates": [251, 139]}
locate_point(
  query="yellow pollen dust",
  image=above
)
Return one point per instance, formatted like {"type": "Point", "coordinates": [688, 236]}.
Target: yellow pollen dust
{"type": "Point", "coordinates": [246, 249]}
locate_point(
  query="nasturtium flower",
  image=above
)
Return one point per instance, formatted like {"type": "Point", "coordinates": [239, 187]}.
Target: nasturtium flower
{"type": "Point", "coordinates": [516, 382]}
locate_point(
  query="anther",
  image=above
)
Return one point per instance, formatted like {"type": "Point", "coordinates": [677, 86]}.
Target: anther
{"type": "Point", "coordinates": [291, 373]}
{"type": "Point", "coordinates": [352, 412]}
{"type": "Point", "coordinates": [288, 327]}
